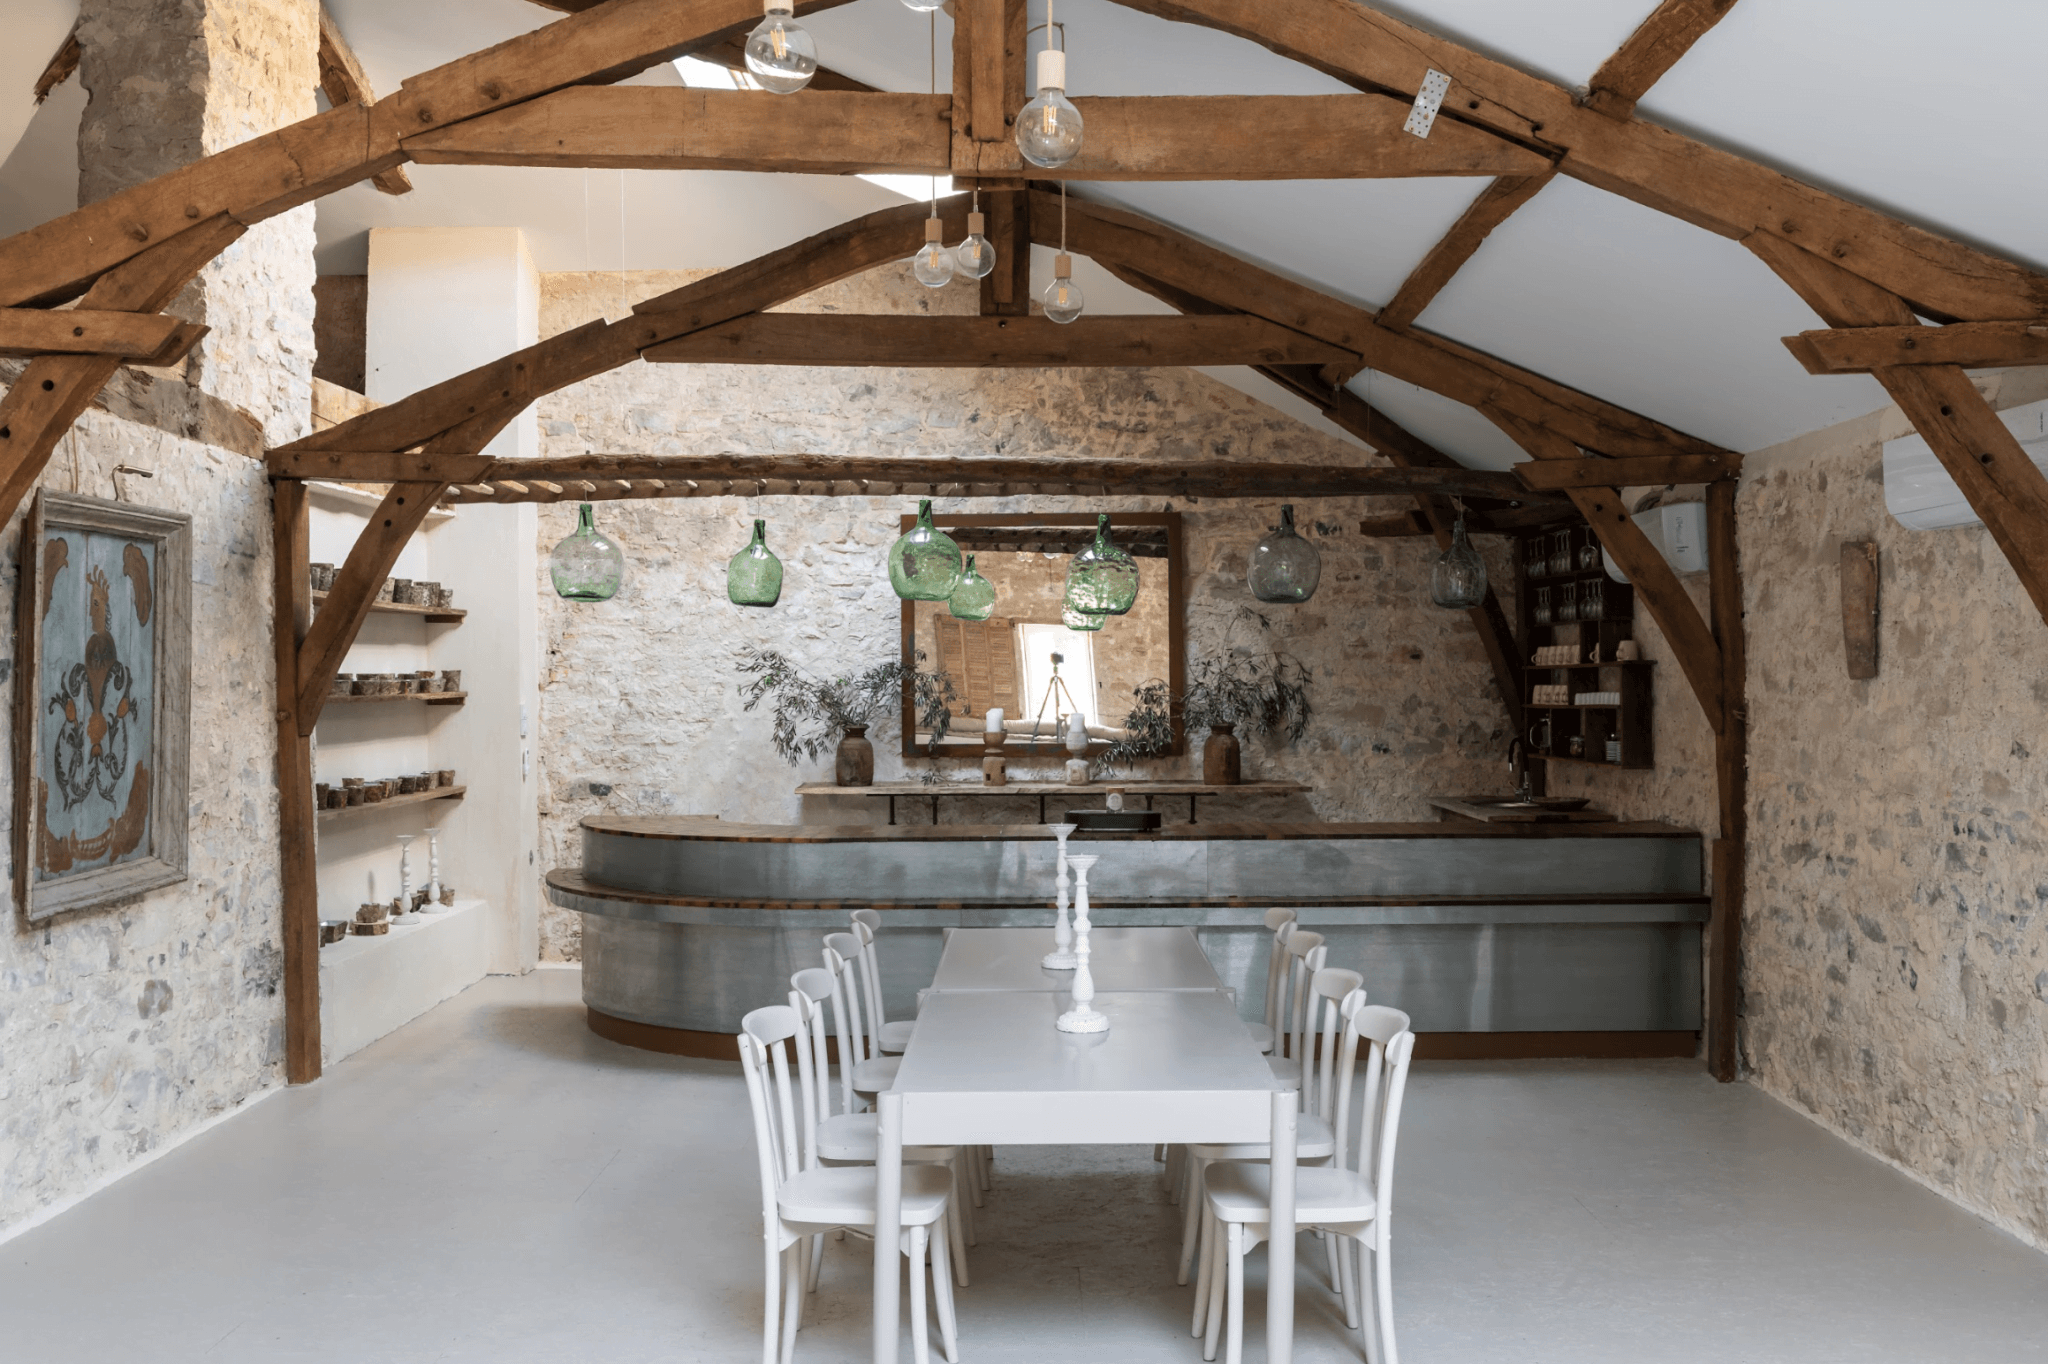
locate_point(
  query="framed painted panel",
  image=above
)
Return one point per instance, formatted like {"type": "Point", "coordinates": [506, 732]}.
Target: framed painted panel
{"type": "Point", "coordinates": [102, 703]}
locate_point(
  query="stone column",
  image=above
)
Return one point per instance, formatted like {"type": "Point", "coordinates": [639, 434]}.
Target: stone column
{"type": "Point", "coordinates": [174, 80]}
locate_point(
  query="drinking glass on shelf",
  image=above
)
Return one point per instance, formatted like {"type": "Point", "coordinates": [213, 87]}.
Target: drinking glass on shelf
{"type": "Point", "coordinates": [1568, 602]}
{"type": "Point", "coordinates": [1561, 552]}
{"type": "Point", "coordinates": [1539, 556]}
{"type": "Point", "coordinates": [1589, 553]}
{"type": "Point", "coordinates": [1593, 601]}
{"type": "Point", "coordinates": [1543, 606]}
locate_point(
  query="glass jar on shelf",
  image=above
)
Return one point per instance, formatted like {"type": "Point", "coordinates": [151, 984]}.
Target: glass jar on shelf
{"type": "Point", "coordinates": [1543, 606]}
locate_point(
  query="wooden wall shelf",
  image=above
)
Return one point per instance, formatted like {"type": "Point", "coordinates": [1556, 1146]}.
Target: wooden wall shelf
{"type": "Point", "coordinates": [416, 798]}
{"type": "Point", "coordinates": [433, 615]}
{"type": "Point", "coordinates": [432, 698]}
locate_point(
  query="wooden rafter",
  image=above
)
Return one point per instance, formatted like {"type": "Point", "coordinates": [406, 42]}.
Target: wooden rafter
{"type": "Point", "coordinates": [1654, 48]}
{"type": "Point", "coordinates": [146, 338]}
{"type": "Point", "coordinates": [1549, 474]}
{"type": "Point", "coordinates": [1493, 207]}
{"type": "Point", "coordinates": [343, 82]}
{"type": "Point", "coordinates": [994, 342]}
{"type": "Point", "coordinates": [63, 62]}
{"type": "Point", "coordinates": [1973, 345]}
{"type": "Point", "coordinates": [1328, 137]}
{"type": "Point", "coordinates": [2001, 484]}
{"type": "Point", "coordinates": [1718, 190]}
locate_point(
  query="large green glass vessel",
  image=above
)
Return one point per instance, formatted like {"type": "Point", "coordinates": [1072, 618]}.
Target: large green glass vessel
{"type": "Point", "coordinates": [925, 564]}
{"type": "Point", "coordinates": [754, 575]}
{"type": "Point", "coordinates": [1080, 620]}
{"type": "Point", "coordinates": [586, 566]}
{"type": "Point", "coordinates": [974, 598]}
{"type": "Point", "coordinates": [1102, 580]}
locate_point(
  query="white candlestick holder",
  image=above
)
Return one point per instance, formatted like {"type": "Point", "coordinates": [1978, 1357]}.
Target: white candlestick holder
{"type": "Point", "coordinates": [433, 904]}
{"type": "Point", "coordinates": [1082, 1017]}
{"type": "Point", "coordinates": [405, 872]}
{"type": "Point", "coordinates": [1062, 957]}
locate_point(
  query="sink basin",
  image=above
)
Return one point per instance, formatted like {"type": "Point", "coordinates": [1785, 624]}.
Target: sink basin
{"type": "Point", "coordinates": [1557, 803]}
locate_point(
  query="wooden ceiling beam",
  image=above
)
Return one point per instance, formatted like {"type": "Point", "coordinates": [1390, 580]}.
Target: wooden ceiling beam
{"type": "Point", "coordinates": [63, 62]}
{"type": "Point", "coordinates": [1682, 176]}
{"type": "Point", "coordinates": [343, 82]}
{"type": "Point", "coordinates": [1973, 345]}
{"type": "Point", "coordinates": [1270, 137]}
{"type": "Point", "coordinates": [1557, 475]}
{"type": "Point", "coordinates": [151, 338]}
{"type": "Point", "coordinates": [1493, 207]}
{"type": "Point", "coordinates": [993, 342]}
{"type": "Point", "coordinates": [2001, 484]}
{"type": "Point", "coordinates": [989, 63]}
{"type": "Point", "coordinates": [1654, 48]}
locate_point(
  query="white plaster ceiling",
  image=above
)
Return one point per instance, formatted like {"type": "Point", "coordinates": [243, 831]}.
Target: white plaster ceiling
{"type": "Point", "coordinates": [35, 30]}
{"type": "Point", "coordinates": [1926, 110]}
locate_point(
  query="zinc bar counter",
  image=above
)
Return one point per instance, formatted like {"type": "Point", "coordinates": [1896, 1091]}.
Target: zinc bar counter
{"type": "Point", "coordinates": [1498, 940]}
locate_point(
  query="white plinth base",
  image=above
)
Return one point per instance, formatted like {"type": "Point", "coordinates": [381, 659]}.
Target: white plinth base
{"type": "Point", "coordinates": [1059, 961]}
{"type": "Point", "coordinates": [373, 986]}
{"type": "Point", "coordinates": [1075, 1021]}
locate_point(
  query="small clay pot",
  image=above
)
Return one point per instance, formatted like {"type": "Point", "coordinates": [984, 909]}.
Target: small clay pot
{"type": "Point", "coordinates": [337, 800]}
{"type": "Point", "coordinates": [344, 684]}
{"type": "Point", "coordinates": [372, 912]}
{"type": "Point", "coordinates": [451, 679]}
{"type": "Point", "coordinates": [320, 577]}
{"type": "Point", "coordinates": [373, 795]}
{"type": "Point", "coordinates": [447, 894]}
{"type": "Point", "coordinates": [424, 781]}
{"type": "Point", "coordinates": [445, 777]}
{"type": "Point", "coordinates": [423, 593]}
{"type": "Point", "coordinates": [1222, 758]}
{"type": "Point", "coordinates": [854, 762]}
{"type": "Point", "coordinates": [423, 680]}
{"type": "Point", "coordinates": [401, 591]}
{"type": "Point", "coordinates": [351, 781]}
{"type": "Point", "coordinates": [357, 795]}
{"type": "Point", "coordinates": [320, 790]}
{"type": "Point", "coordinates": [444, 597]}
{"type": "Point", "coordinates": [378, 929]}
{"type": "Point", "coordinates": [384, 592]}
{"type": "Point", "coordinates": [408, 786]}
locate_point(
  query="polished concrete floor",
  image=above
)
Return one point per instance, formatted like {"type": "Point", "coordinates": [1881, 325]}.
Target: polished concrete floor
{"type": "Point", "coordinates": [493, 1183]}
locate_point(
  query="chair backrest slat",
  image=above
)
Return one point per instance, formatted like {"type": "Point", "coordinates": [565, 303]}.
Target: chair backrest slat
{"type": "Point", "coordinates": [1281, 921]}
{"type": "Point", "coordinates": [1389, 1045]}
{"type": "Point", "coordinates": [808, 993]}
{"type": "Point", "coordinates": [1305, 956]}
{"type": "Point", "coordinates": [870, 973]}
{"type": "Point", "coordinates": [1328, 989]}
{"type": "Point", "coordinates": [763, 1060]}
{"type": "Point", "coordinates": [842, 957]}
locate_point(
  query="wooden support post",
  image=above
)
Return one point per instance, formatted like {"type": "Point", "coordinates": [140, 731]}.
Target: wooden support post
{"type": "Point", "coordinates": [1731, 781]}
{"type": "Point", "coordinates": [297, 875]}
{"type": "Point", "coordinates": [1007, 290]}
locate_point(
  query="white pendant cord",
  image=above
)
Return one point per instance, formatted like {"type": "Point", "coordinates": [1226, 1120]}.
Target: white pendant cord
{"type": "Point", "coordinates": [1063, 217]}
{"type": "Point", "coordinates": [933, 18]}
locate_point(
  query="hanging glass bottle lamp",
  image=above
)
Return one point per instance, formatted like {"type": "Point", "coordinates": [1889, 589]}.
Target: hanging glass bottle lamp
{"type": "Point", "coordinates": [1458, 582]}
{"type": "Point", "coordinates": [586, 566]}
{"type": "Point", "coordinates": [924, 565]}
{"type": "Point", "coordinates": [1080, 620]}
{"type": "Point", "coordinates": [1285, 567]}
{"type": "Point", "coordinates": [754, 575]}
{"type": "Point", "coordinates": [974, 598]}
{"type": "Point", "coordinates": [1102, 580]}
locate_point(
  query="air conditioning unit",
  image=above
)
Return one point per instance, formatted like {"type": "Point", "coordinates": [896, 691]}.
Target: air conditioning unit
{"type": "Point", "coordinates": [1918, 491]}
{"type": "Point", "coordinates": [1679, 533]}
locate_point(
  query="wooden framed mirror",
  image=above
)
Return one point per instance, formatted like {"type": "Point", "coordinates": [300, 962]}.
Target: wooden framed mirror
{"type": "Point", "coordinates": [1007, 660]}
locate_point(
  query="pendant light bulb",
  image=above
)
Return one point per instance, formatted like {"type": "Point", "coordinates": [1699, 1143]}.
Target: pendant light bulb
{"type": "Point", "coordinates": [780, 54]}
{"type": "Point", "coordinates": [1063, 301]}
{"type": "Point", "coordinates": [1049, 129]}
{"type": "Point", "coordinates": [933, 263]}
{"type": "Point", "coordinates": [975, 258]}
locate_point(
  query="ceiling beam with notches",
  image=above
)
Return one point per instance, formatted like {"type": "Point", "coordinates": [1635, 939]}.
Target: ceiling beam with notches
{"type": "Point", "coordinates": [343, 82]}
{"type": "Point", "coordinates": [1719, 190]}
{"type": "Point", "coordinates": [138, 338]}
{"type": "Point", "coordinates": [1273, 137]}
{"type": "Point", "coordinates": [994, 342]}
{"type": "Point", "coordinates": [1654, 48]}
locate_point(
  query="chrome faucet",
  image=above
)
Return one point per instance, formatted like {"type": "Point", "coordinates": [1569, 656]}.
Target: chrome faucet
{"type": "Point", "coordinates": [1518, 768]}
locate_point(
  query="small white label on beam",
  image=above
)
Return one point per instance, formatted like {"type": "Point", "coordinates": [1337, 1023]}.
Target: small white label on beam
{"type": "Point", "coordinates": [1428, 100]}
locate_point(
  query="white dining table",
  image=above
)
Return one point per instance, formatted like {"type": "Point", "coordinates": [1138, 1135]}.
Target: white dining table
{"type": "Point", "coordinates": [1119, 959]}
{"type": "Point", "coordinates": [987, 1067]}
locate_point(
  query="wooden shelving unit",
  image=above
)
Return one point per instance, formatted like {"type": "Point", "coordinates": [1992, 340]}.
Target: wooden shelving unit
{"type": "Point", "coordinates": [432, 698]}
{"type": "Point", "coordinates": [1593, 637]}
{"type": "Point", "coordinates": [416, 798]}
{"type": "Point", "coordinates": [434, 615]}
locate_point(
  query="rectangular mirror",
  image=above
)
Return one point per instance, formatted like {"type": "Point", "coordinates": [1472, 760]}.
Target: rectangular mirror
{"type": "Point", "coordinates": [1022, 659]}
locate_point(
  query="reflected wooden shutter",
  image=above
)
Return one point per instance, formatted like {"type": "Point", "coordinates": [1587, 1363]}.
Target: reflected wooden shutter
{"type": "Point", "coordinates": [981, 659]}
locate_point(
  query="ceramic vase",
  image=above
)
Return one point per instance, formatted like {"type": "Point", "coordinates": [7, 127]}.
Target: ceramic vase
{"type": "Point", "coordinates": [854, 762]}
{"type": "Point", "coordinates": [1062, 957]}
{"type": "Point", "coordinates": [1222, 759]}
{"type": "Point", "coordinates": [1082, 1017]}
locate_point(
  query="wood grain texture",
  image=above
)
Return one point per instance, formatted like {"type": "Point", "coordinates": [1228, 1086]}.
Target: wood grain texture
{"type": "Point", "coordinates": [840, 339]}
{"type": "Point", "coordinates": [343, 82]}
{"type": "Point", "coordinates": [1718, 190]}
{"type": "Point", "coordinates": [1730, 851]}
{"type": "Point", "coordinates": [63, 62]}
{"type": "Point", "coordinates": [1654, 48]}
{"type": "Point", "coordinates": [1974, 345]}
{"type": "Point", "coordinates": [298, 876]}
{"type": "Point", "coordinates": [123, 335]}
{"type": "Point", "coordinates": [2001, 484]}
{"type": "Point", "coordinates": [1558, 474]}
{"type": "Point", "coordinates": [1859, 607]}
{"type": "Point", "coordinates": [1494, 206]}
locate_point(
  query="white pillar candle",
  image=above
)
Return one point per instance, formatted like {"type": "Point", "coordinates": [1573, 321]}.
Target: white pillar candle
{"type": "Point", "coordinates": [994, 723]}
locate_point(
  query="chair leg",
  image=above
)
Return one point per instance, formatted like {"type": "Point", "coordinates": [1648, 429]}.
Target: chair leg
{"type": "Point", "coordinates": [1195, 1200]}
{"type": "Point", "coordinates": [1176, 1158]}
{"type": "Point", "coordinates": [1368, 1307]}
{"type": "Point", "coordinates": [942, 1294]}
{"type": "Point", "coordinates": [793, 1299]}
{"type": "Point", "coordinates": [1214, 1273]}
{"type": "Point", "coordinates": [1159, 1153]}
{"type": "Point", "coordinates": [1347, 1278]}
{"type": "Point", "coordinates": [772, 1312]}
{"type": "Point", "coordinates": [988, 1167]}
{"type": "Point", "coordinates": [1383, 1280]}
{"type": "Point", "coordinates": [920, 1319]}
{"type": "Point", "coordinates": [1330, 1240]}
{"type": "Point", "coordinates": [817, 1261]}
{"type": "Point", "coordinates": [1205, 1255]}
{"type": "Point", "coordinates": [963, 1180]}
{"type": "Point", "coordinates": [1233, 1344]}
{"type": "Point", "coordinates": [956, 1237]}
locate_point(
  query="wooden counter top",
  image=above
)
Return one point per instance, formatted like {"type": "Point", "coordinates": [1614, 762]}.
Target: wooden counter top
{"type": "Point", "coordinates": [684, 827]}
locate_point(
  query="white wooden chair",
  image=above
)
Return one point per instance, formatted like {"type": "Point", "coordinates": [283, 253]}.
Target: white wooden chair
{"type": "Point", "coordinates": [870, 1072]}
{"type": "Point", "coordinates": [1327, 991]}
{"type": "Point", "coordinates": [1281, 923]}
{"type": "Point", "coordinates": [849, 1138]}
{"type": "Point", "coordinates": [1351, 1198]}
{"type": "Point", "coordinates": [798, 1203]}
{"type": "Point", "coordinates": [1306, 955]}
{"type": "Point", "coordinates": [867, 925]}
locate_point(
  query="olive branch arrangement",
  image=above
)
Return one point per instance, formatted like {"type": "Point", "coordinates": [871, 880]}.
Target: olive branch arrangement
{"type": "Point", "coordinates": [811, 713]}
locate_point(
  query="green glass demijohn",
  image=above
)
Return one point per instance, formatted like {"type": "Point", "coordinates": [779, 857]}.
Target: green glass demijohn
{"type": "Point", "coordinates": [974, 598]}
{"type": "Point", "coordinates": [925, 564]}
{"type": "Point", "coordinates": [586, 566]}
{"type": "Point", "coordinates": [1080, 620]}
{"type": "Point", "coordinates": [1285, 568]}
{"type": "Point", "coordinates": [1102, 580]}
{"type": "Point", "coordinates": [1458, 581]}
{"type": "Point", "coordinates": [754, 575]}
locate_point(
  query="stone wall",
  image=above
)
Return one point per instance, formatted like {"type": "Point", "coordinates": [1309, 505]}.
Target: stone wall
{"type": "Point", "coordinates": [639, 711]}
{"type": "Point", "coordinates": [120, 1027]}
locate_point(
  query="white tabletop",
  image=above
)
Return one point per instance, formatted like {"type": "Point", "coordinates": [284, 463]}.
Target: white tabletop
{"type": "Point", "coordinates": [1119, 959]}
{"type": "Point", "coordinates": [987, 1067]}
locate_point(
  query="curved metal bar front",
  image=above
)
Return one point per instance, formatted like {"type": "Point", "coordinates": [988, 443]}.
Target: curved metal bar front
{"type": "Point", "coordinates": [1582, 928]}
